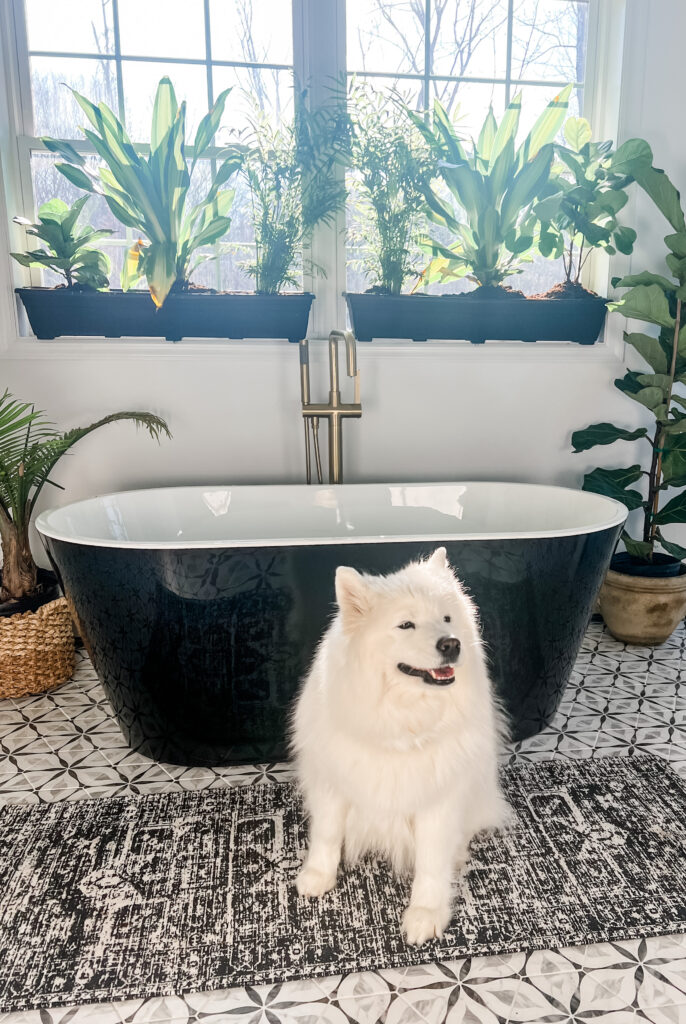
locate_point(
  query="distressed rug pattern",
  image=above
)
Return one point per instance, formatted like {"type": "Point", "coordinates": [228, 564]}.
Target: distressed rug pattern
{"type": "Point", "coordinates": [133, 897]}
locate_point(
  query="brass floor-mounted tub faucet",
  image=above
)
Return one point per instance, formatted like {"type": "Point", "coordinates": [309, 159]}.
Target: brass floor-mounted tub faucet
{"type": "Point", "coordinates": [334, 410]}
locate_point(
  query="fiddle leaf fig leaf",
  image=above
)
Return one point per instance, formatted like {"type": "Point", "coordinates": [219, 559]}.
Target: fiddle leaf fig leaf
{"type": "Point", "coordinates": [676, 550]}
{"type": "Point", "coordinates": [604, 433]}
{"type": "Point", "coordinates": [577, 132]}
{"type": "Point", "coordinates": [673, 512]}
{"type": "Point", "coordinates": [677, 243]}
{"type": "Point", "coordinates": [613, 483]}
{"type": "Point", "coordinates": [650, 349]}
{"type": "Point", "coordinates": [661, 190]}
{"type": "Point", "coordinates": [655, 380]}
{"type": "Point", "coordinates": [636, 548]}
{"type": "Point", "coordinates": [624, 239]}
{"type": "Point", "coordinates": [645, 302]}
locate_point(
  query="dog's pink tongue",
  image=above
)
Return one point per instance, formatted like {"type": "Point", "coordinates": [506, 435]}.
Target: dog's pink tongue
{"type": "Point", "coordinates": [445, 672]}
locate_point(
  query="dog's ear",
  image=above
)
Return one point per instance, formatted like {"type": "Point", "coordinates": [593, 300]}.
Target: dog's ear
{"type": "Point", "coordinates": [439, 559]}
{"type": "Point", "coordinates": [353, 594]}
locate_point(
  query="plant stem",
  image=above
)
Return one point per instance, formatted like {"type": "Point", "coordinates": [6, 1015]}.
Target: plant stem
{"type": "Point", "coordinates": [570, 266]}
{"type": "Point", "coordinates": [660, 436]}
{"type": "Point", "coordinates": [580, 262]}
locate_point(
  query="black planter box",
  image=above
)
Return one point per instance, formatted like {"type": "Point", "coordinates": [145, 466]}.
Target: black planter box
{"type": "Point", "coordinates": [54, 312]}
{"type": "Point", "coordinates": [454, 317]}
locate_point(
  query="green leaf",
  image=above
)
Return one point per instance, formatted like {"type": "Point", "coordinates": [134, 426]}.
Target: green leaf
{"type": "Point", "coordinates": [76, 176]}
{"type": "Point", "coordinates": [645, 277]}
{"type": "Point", "coordinates": [662, 381]}
{"type": "Point", "coordinates": [487, 136]}
{"type": "Point", "coordinates": [636, 548]}
{"type": "Point", "coordinates": [163, 112]}
{"type": "Point", "coordinates": [650, 349]}
{"type": "Point", "coordinates": [645, 302]}
{"type": "Point", "coordinates": [675, 550]}
{"type": "Point", "coordinates": [673, 512]}
{"type": "Point", "coordinates": [577, 132]}
{"type": "Point", "coordinates": [604, 433]}
{"type": "Point", "coordinates": [507, 130]}
{"type": "Point", "coordinates": [624, 239]}
{"type": "Point", "coordinates": [677, 243]}
{"type": "Point", "coordinates": [546, 126]}
{"type": "Point", "coordinates": [630, 156]}
{"type": "Point", "coordinates": [613, 484]}
{"type": "Point", "coordinates": [663, 193]}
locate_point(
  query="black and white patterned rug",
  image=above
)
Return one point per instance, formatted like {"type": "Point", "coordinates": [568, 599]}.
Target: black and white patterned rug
{"type": "Point", "coordinates": [177, 892]}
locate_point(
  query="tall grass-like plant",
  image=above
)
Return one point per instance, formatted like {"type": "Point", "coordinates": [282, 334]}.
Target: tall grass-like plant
{"type": "Point", "coordinates": [488, 192]}
{"type": "Point", "coordinates": [30, 448]}
{"type": "Point", "coordinates": [659, 301]}
{"type": "Point", "coordinates": [393, 167]}
{"type": "Point", "coordinates": [149, 193]}
{"type": "Point", "coordinates": [290, 174]}
{"type": "Point", "coordinates": [67, 247]}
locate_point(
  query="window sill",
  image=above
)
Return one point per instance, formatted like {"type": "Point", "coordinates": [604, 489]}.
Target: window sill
{"type": "Point", "coordinates": [29, 348]}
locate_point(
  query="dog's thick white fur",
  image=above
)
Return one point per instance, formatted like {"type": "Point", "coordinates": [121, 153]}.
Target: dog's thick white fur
{"type": "Point", "coordinates": [402, 765]}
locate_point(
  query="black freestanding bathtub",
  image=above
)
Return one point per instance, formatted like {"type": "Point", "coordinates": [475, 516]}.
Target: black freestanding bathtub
{"type": "Point", "coordinates": [201, 606]}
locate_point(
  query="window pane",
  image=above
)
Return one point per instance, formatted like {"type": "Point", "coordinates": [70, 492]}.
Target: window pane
{"type": "Point", "coordinates": [384, 35]}
{"type": "Point", "coordinates": [140, 80]}
{"type": "Point", "coordinates": [162, 28]}
{"type": "Point", "coordinates": [253, 89]}
{"type": "Point", "coordinates": [473, 100]}
{"type": "Point", "coordinates": [469, 37]}
{"type": "Point", "coordinates": [55, 111]}
{"type": "Point", "coordinates": [410, 90]}
{"type": "Point", "coordinates": [549, 39]}
{"type": "Point", "coordinates": [75, 26]}
{"type": "Point", "coordinates": [254, 31]}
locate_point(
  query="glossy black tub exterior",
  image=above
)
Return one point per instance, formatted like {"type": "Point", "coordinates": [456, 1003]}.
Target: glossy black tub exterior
{"type": "Point", "coordinates": [201, 651]}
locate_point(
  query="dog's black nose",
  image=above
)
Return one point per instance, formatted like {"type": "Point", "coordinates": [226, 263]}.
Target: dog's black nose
{"type": "Point", "coordinates": [449, 646]}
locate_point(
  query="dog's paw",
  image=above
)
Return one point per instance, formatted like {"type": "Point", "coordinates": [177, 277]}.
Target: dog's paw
{"type": "Point", "coordinates": [311, 882]}
{"type": "Point", "coordinates": [420, 924]}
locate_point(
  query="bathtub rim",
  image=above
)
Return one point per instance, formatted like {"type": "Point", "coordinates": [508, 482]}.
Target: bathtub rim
{"type": "Point", "coordinates": [49, 532]}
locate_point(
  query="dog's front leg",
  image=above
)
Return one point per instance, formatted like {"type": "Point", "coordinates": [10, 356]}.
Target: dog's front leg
{"type": "Point", "coordinates": [327, 825]}
{"type": "Point", "coordinates": [435, 853]}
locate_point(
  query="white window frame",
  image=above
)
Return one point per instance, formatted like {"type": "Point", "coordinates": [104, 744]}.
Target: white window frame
{"type": "Point", "coordinates": [319, 56]}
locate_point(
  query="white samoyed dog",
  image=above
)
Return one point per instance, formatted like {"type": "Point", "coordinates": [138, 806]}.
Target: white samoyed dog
{"type": "Point", "coordinates": [396, 734]}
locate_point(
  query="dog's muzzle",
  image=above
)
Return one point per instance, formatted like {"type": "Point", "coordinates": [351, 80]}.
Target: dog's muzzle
{"type": "Point", "coordinates": [442, 676]}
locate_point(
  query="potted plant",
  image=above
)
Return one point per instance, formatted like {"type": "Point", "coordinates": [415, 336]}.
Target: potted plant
{"type": "Point", "coordinates": [393, 167]}
{"type": "Point", "coordinates": [643, 598]}
{"type": "Point", "coordinates": [482, 206]}
{"type": "Point", "coordinates": [36, 637]}
{"type": "Point", "coordinates": [581, 215]}
{"type": "Point", "coordinates": [289, 174]}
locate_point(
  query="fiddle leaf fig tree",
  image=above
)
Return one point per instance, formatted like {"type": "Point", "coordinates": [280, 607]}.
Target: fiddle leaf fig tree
{"type": "Point", "coordinates": [657, 300]}
{"type": "Point", "coordinates": [582, 215]}
{"type": "Point", "coordinates": [67, 249]}
{"type": "Point", "coordinates": [30, 447]}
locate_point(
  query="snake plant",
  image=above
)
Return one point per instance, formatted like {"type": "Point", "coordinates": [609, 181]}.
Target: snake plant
{"type": "Point", "coordinates": [659, 301]}
{"type": "Point", "coordinates": [30, 447]}
{"type": "Point", "coordinates": [68, 248]}
{"type": "Point", "coordinates": [149, 193]}
{"type": "Point", "coordinates": [487, 193]}
{"type": "Point", "coordinates": [582, 214]}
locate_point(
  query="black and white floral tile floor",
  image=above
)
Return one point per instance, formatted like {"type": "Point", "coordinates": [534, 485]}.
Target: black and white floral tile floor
{"type": "Point", "coordinates": [621, 700]}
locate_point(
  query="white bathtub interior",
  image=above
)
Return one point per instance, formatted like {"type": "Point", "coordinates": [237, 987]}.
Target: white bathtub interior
{"type": "Point", "coordinates": [275, 515]}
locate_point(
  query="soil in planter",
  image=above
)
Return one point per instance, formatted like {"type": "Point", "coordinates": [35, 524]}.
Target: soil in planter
{"type": "Point", "coordinates": [566, 290]}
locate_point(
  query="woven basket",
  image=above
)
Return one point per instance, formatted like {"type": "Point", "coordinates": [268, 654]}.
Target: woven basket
{"type": "Point", "coordinates": [36, 650]}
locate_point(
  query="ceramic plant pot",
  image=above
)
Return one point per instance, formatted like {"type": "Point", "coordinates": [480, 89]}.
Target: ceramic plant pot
{"type": "Point", "coordinates": [643, 610]}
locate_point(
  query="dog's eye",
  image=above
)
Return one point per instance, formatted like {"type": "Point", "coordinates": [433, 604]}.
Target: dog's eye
{"type": "Point", "coordinates": [406, 625]}
{"type": "Point", "coordinates": [446, 618]}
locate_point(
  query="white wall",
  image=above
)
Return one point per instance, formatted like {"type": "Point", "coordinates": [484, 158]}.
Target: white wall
{"type": "Point", "coordinates": [430, 412]}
